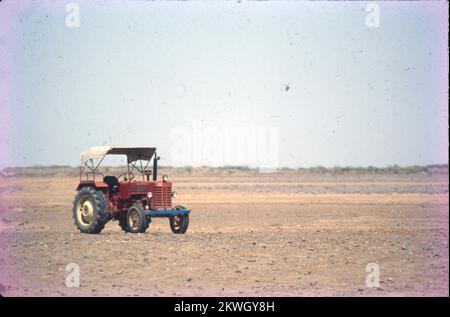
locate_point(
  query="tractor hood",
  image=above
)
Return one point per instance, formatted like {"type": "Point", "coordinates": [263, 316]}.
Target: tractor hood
{"type": "Point", "coordinates": [132, 153]}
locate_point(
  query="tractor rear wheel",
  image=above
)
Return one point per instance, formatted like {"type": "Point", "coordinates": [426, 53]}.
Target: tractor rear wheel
{"type": "Point", "coordinates": [90, 210]}
{"type": "Point", "coordinates": [179, 223]}
{"type": "Point", "coordinates": [136, 220]}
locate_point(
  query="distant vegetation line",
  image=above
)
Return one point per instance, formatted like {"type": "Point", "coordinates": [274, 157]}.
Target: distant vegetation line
{"type": "Point", "coordinates": [394, 169]}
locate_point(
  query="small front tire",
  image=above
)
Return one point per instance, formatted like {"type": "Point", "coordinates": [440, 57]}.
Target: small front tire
{"type": "Point", "coordinates": [179, 223]}
{"type": "Point", "coordinates": [136, 220]}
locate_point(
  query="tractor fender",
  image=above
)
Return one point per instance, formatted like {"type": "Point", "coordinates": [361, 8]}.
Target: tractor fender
{"type": "Point", "coordinates": [97, 185]}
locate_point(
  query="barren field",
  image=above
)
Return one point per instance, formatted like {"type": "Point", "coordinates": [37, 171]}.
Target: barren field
{"type": "Point", "coordinates": [288, 233]}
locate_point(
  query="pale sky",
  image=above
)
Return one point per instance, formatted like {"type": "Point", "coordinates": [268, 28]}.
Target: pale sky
{"type": "Point", "coordinates": [334, 91]}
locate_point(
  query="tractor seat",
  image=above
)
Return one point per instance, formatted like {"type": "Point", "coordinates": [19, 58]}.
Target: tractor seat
{"type": "Point", "coordinates": [113, 183]}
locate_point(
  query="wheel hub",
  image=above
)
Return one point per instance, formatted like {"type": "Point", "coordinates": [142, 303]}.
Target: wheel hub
{"type": "Point", "coordinates": [134, 220]}
{"type": "Point", "coordinates": [86, 211]}
{"type": "Point", "coordinates": [177, 221]}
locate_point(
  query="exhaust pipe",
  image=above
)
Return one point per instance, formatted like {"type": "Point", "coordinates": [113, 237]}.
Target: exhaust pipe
{"type": "Point", "coordinates": [155, 167]}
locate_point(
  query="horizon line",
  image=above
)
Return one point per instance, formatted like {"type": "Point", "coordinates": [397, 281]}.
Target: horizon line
{"type": "Point", "coordinates": [437, 165]}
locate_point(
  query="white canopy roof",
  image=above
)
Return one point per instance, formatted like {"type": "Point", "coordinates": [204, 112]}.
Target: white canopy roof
{"type": "Point", "coordinates": [132, 153]}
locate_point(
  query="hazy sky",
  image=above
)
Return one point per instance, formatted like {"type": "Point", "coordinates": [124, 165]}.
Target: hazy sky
{"type": "Point", "coordinates": [310, 83]}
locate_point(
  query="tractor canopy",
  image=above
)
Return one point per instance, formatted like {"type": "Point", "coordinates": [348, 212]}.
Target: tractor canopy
{"type": "Point", "coordinates": [138, 158]}
{"type": "Point", "coordinates": [132, 153]}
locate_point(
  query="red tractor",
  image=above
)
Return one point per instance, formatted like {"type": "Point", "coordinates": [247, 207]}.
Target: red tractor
{"type": "Point", "coordinates": [132, 197]}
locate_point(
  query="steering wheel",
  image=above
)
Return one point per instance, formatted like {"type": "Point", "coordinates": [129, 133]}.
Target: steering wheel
{"type": "Point", "coordinates": [124, 175]}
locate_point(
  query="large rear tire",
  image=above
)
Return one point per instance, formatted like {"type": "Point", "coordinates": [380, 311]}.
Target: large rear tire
{"type": "Point", "coordinates": [179, 223]}
{"type": "Point", "coordinates": [90, 210]}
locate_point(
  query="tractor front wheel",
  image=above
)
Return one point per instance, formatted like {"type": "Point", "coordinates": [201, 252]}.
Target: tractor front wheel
{"type": "Point", "coordinates": [136, 220]}
{"type": "Point", "coordinates": [179, 223]}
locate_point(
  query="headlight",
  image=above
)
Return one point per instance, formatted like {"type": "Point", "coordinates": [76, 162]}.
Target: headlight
{"type": "Point", "coordinates": [174, 195]}
{"type": "Point", "coordinates": [149, 195]}
{"type": "Point", "coordinates": [165, 178]}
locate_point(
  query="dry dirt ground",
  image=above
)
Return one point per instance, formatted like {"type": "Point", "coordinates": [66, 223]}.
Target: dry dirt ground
{"type": "Point", "coordinates": [277, 234]}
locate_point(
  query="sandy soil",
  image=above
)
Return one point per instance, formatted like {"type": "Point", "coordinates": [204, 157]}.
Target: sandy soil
{"type": "Point", "coordinates": [279, 234]}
